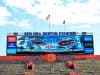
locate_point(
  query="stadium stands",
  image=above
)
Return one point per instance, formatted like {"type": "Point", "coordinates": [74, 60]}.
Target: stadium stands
{"type": "Point", "coordinates": [90, 65]}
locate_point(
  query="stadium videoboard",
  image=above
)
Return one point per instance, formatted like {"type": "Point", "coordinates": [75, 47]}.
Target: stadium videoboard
{"type": "Point", "coordinates": [50, 42]}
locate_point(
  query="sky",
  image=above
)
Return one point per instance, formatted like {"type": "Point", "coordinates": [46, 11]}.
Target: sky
{"type": "Point", "coordinates": [30, 16]}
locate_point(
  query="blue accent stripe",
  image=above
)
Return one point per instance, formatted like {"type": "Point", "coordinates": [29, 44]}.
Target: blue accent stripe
{"type": "Point", "coordinates": [11, 51]}
{"type": "Point", "coordinates": [11, 45]}
{"type": "Point", "coordinates": [88, 50]}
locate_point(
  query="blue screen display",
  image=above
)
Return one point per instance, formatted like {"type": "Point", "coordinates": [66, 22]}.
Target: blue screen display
{"type": "Point", "coordinates": [11, 44]}
{"type": "Point", "coordinates": [11, 51]}
{"type": "Point", "coordinates": [49, 43]}
{"type": "Point", "coordinates": [88, 38]}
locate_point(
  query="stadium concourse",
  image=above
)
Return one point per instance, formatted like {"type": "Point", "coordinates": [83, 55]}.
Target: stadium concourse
{"type": "Point", "coordinates": [50, 64]}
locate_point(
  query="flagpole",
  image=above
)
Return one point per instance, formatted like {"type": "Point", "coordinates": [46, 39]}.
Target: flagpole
{"type": "Point", "coordinates": [34, 27]}
{"type": "Point", "coordinates": [64, 25]}
{"type": "Point", "coordinates": [48, 20]}
{"type": "Point", "coordinates": [49, 25]}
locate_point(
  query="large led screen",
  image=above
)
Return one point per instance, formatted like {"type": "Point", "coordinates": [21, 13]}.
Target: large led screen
{"type": "Point", "coordinates": [53, 42]}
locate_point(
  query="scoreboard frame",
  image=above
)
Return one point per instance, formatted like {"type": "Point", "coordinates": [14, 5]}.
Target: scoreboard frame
{"type": "Point", "coordinates": [13, 50]}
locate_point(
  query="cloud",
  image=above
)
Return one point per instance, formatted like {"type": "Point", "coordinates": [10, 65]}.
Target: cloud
{"type": "Point", "coordinates": [73, 12]}
{"type": "Point", "coordinates": [5, 21]}
{"type": "Point", "coordinates": [2, 21]}
{"type": "Point", "coordinates": [23, 24]}
{"type": "Point", "coordinates": [79, 26]}
{"type": "Point", "coordinates": [18, 3]}
{"type": "Point", "coordinates": [4, 12]}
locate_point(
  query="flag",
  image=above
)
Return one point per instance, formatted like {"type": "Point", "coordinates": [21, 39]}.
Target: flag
{"type": "Point", "coordinates": [48, 17]}
{"type": "Point", "coordinates": [64, 22]}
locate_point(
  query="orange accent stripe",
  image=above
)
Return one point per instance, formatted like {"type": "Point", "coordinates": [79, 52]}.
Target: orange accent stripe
{"type": "Point", "coordinates": [12, 57]}
{"type": "Point", "coordinates": [97, 56]}
{"type": "Point", "coordinates": [78, 57]}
